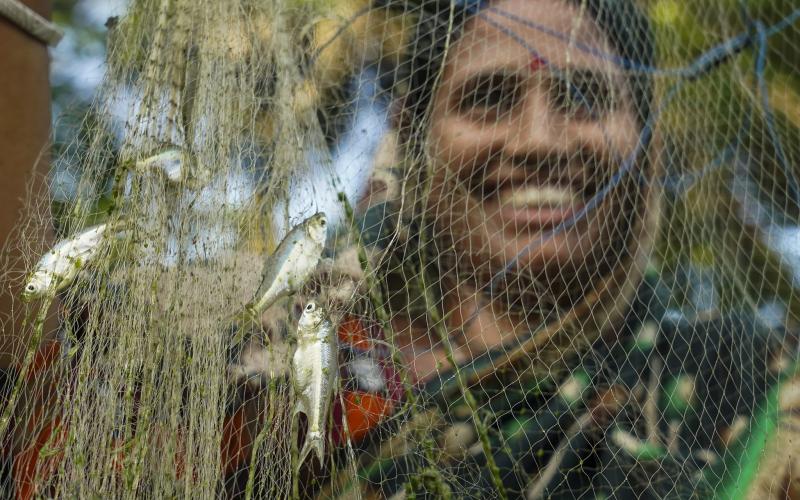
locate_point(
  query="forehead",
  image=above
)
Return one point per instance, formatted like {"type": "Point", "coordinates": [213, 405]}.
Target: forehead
{"type": "Point", "coordinates": [557, 30]}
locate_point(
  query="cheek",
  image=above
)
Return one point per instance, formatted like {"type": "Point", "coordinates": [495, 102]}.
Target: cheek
{"type": "Point", "coordinates": [612, 140]}
{"type": "Point", "coordinates": [458, 147]}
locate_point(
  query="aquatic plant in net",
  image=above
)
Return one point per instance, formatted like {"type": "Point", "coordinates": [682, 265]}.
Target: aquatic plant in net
{"type": "Point", "coordinates": [404, 248]}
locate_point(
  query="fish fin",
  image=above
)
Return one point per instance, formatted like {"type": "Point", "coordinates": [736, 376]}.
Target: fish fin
{"type": "Point", "coordinates": [315, 442]}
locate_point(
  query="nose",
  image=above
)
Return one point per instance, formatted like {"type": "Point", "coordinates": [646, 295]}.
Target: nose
{"type": "Point", "coordinates": [533, 130]}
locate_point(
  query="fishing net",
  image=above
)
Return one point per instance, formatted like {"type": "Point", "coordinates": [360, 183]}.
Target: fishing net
{"type": "Point", "coordinates": [560, 261]}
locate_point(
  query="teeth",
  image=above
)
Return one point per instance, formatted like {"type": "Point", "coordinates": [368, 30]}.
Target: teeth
{"type": "Point", "coordinates": [538, 196]}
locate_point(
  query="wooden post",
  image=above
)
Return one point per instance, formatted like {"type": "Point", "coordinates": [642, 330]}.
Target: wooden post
{"type": "Point", "coordinates": [24, 153]}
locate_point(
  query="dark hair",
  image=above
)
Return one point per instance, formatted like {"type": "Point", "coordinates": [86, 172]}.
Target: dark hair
{"type": "Point", "coordinates": [627, 28]}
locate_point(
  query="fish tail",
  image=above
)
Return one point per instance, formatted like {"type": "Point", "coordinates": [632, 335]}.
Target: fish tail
{"type": "Point", "coordinates": [315, 442]}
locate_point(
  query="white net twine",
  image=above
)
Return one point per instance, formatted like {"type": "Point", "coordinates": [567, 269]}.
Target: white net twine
{"type": "Point", "coordinates": [559, 257]}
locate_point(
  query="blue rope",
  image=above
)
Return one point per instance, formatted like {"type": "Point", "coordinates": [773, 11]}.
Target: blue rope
{"type": "Point", "coordinates": [769, 118]}
{"type": "Point", "coordinates": [784, 23]}
{"type": "Point", "coordinates": [513, 35]}
{"type": "Point", "coordinates": [684, 183]}
{"type": "Point", "coordinates": [708, 60]}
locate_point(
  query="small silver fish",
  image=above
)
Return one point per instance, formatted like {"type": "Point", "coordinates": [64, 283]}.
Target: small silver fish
{"type": "Point", "coordinates": [58, 267]}
{"type": "Point", "coordinates": [292, 264]}
{"type": "Point", "coordinates": [176, 166]}
{"type": "Point", "coordinates": [315, 371]}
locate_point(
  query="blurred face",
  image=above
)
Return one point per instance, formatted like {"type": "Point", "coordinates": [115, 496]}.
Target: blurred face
{"type": "Point", "coordinates": [524, 131]}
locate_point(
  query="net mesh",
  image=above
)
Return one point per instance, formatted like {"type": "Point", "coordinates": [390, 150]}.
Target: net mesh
{"type": "Point", "coordinates": [560, 257]}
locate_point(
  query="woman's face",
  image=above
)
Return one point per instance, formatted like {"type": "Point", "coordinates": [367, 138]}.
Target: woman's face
{"type": "Point", "coordinates": [518, 150]}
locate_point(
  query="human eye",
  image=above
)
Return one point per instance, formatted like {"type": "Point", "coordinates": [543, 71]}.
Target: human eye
{"type": "Point", "coordinates": [494, 94]}
{"type": "Point", "coordinates": [583, 96]}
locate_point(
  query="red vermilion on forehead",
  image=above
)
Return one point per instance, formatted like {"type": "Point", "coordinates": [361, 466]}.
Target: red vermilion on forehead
{"type": "Point", "coordinates": [536, 63]}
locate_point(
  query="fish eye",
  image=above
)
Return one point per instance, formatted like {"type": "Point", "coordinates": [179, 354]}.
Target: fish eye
{"type": "Point", "coordinates": [310, 307]}
{"type": "Point", "coordinates": [30, 288]}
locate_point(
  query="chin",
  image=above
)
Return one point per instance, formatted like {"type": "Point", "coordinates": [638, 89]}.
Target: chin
{"type": "Point", "coordinates": [552, 271]}
{"type": "Point", "coordinates": [540, 251]}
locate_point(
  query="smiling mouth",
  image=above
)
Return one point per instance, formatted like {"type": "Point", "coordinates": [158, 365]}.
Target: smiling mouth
{"type": "Point", "coordinates": [539, 204]}
{"type": "Point", "coordinates": [525, 199]}
{"type": "Point", "coordinates": [555, 197]}
{"type": "Point", "coordinates": [538, 207]}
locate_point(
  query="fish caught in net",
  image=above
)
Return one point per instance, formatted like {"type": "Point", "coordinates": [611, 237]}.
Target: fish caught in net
{"type": "Point", "coordinates": [421, 249]}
